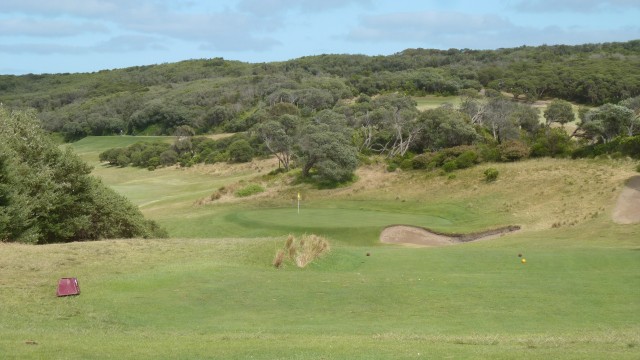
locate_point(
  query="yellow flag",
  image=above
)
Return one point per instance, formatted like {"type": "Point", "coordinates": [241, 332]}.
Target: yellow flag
{"type": "Point", "coordinates": [298, 196]}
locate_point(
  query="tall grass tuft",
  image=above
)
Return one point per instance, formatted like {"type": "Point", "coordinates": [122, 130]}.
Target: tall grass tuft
{"type": "Point", "coordinates": [311, 247]}
{"type": "Point", "coordinates": [303, 251]}
{"type": "Point", "coordinates": [279, 259]}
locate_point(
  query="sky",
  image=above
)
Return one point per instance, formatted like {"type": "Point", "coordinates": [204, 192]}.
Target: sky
{"type": "Point", "coordinates": [68, 36]}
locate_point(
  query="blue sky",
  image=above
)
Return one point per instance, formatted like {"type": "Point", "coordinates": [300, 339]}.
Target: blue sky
{"type": "Point", "coordinates": [52, 36]}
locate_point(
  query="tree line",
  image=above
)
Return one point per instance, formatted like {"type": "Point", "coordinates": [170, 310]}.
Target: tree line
{"type": "Point", "coordinates": [328, 145]}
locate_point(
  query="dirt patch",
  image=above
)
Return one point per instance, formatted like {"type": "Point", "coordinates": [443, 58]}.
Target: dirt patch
{"type": "Point", "coordinates": [627, 210]}
{"type": "Point", "coordinates": [419, 236]}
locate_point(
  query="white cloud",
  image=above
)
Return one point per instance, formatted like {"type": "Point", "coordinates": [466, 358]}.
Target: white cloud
{"type": "Point", "coordinates": [581, 6]}
{"type": "Point", "coordinates": [278, 7]}
{"type": "Point", "coordinates": [425, 26]}
{"type": "Point", "coordinates": [460, 30]}
{"type": "Point", "coordinates": [47, 28]}
{"type": "Point", "coordinates": [118, 44]}
{"type": "Point", "coordinates": [222, 30]}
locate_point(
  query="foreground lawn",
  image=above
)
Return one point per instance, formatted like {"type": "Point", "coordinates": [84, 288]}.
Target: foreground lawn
{"type": "Point", "coordinates": [221, 298]}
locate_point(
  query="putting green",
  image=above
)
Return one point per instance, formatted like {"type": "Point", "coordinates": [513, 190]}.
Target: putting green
{"type": "Point", "coordinates": [332, 218]}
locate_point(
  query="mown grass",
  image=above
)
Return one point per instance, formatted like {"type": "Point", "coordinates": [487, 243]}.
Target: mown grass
{"type": "Point", "coordinates": [223, 299]}
{"type": "Point", "coordinates": [434, 101]}
{"type": "Point", "coordinates": [212, 292]}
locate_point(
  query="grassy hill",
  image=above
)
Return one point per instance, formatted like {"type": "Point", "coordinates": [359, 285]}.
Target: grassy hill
{"type": "Point", "coordinates": [211, 292]}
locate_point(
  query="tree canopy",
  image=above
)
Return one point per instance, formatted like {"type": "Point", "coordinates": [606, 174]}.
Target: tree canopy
{"type": "Point", "coordinates": [221, 95]}
{"type": "Point", "coordinates": [48, 196]}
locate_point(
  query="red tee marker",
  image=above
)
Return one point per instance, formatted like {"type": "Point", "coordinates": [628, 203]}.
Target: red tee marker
{"type": "Point", "coordinates": [68, 286]}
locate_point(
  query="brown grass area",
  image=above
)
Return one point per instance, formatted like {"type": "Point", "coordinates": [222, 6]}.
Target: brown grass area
{"type": "Point", "coordinates": [537, 193]}
{"type": "Point", "coordinates": [258, 166]}
{"type": "Point", "coordinates": [301, 251]}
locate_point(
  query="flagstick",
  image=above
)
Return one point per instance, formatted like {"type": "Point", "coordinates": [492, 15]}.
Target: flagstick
{"type": "Point", "coordinates": [298, 205]}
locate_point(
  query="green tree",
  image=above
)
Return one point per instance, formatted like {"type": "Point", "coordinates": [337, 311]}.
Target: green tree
{"type": "Point", "coordinates": [240, 151]}
{"type": "Point", "coordinates": [443, 128]}
{"type": "Point", "coordinates": [325, 147]}
{"type": "Point", "coordinates": [48, 194]}
{"type": "Point", "coordinates": [609, 121]}
{"type": "Point", "coordinates": [279, 143]}
{"type": "Point", "coordinates": [633, 104]}
{"type": "Point", "coordinates": [559, 111]}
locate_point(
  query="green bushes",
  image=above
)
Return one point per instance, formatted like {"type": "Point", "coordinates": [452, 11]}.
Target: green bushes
{"type": "Point", "coordinates": [466, 156]}
{"type": "Point", "coordinates": [185, 152]}
{"type": "Point", "coordinates": [249, 190]}
{"type": "Point", "coordinates": [620, 146]}
{"type": "Point", "coordinates": [491, 174]}
{"type": "Point", "coordinates": [240, 151]}
{"type": "Point", "coordinates": [513, 150]}
{"type": "Point", "coordinates": [459, 157]}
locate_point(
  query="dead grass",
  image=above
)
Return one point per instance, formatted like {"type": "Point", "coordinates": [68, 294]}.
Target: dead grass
{"type": "Point", "coordinates": [301, 251]}
{"type": "Point", "coordinates": [536, 193]}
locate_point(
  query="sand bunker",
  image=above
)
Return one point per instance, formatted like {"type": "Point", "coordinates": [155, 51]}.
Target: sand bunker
{"type": "Point", "coordinates": [627, 210]}
{"type": "Point", "coordinates": [418, 236]}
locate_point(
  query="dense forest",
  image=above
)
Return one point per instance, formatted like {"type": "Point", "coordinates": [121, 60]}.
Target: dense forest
{"type": "Point", "coordinates": [322, 113]}
{"type": "Point", "coordinates": [217, 95]}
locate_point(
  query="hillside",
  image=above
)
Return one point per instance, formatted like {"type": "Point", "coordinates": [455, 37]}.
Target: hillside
{"type": "Point", "coordinates": [213, 95]}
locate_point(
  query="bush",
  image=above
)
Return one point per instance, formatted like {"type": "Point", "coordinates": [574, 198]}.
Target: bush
{"type": "Point", "coordinates": [421, 161]}
{"type": "Point", "coordinates": [513, 150]}
{"type": "Point", "coordinates": [491, 174]}
{"type": "Point", "coordinates": [450, 165]}
{"type": "Point", "coordinates": [406, 164]}
{"type": "Point", "coordinates": [638, 168]}
{"type": "Point", "coordinates": [489, 153]}
{"type": "Point", "coordinates": [249, 190]}
{"type": "Point", "coordinates": [467, 159]}
{"type": "Point", "coordinates": [240, 151]}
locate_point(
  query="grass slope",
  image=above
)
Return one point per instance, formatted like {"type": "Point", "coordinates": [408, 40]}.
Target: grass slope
{"type": "Point", "coordinates": [211, 292]}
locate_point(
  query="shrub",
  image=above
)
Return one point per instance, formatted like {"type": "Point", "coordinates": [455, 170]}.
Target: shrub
{"type": "Point", "coordinates": [249, 190]}
{"type": "Point", "coordinates": [421, 161]}
{"type": "Point", "coordinates": [406, 164]}
{"type": "Point", "coordinates": [638, 168]}
{"type": "Point", "coordinates": [450, 165]}
{"type": "Point", "coordinates": [513, 150]}
{"type": "Point", "coordinates": [240, 151]}
{"type": "Point", "coordinates": [467, 159]}
{"type": "Point", "coordinates": [491, 174]}
{"type": "Point", "coordinates": [489, 152]}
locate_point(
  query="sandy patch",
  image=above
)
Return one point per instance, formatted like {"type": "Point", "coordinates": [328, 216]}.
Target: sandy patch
{"type": "Point", "coordinates": [418, 236]}
{"type": "Point", "coordinates": [627, 210]}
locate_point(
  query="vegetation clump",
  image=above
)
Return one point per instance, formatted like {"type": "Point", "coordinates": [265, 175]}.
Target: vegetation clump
{"type": "Point", "coordinates": [491, 174]}
{"type": "Point", "coordinates": [301, 251]}
{"type": "Point", "coordinates": [251, 189]}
